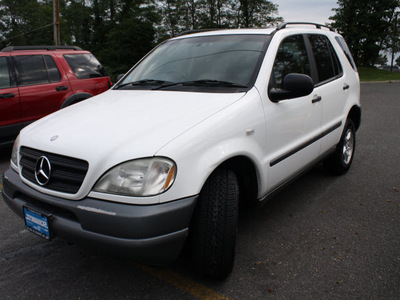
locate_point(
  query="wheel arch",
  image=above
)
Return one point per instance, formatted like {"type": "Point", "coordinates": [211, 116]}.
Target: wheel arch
{"type": "Point", "coordinates": [246, 175]}
{"type": "Point", "coordinates": [355, 116]}
{"type": "Point", "coordinates": [75, 98]}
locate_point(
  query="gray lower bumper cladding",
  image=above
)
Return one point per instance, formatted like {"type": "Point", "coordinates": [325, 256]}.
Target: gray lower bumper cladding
{"type": "Point", "coordinates": [153, 234]}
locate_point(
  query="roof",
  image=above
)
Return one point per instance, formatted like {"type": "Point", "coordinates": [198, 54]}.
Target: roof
{"type": "Point", "coordinates": [267, 30]}
{"type": "Point", "coordinates": [49, 48]}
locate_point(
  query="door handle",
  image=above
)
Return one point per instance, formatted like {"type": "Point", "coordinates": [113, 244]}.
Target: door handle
{"type": "Point", "coordinates": [8, 95]}
{"type": "Point", "coordinates": [346, 87]}
{"type": "Point", "coordinates": [61, 88]}
{"type": "Point", "coordinates": [316, 99]}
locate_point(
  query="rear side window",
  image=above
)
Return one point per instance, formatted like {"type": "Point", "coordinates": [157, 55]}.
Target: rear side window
{"type": "Point", "coordinates": [342, 43]}
{"type": "Point", "coordinates": [85, 66]}
{"type": "Point", "coordinates": [327, 63]}
{"type": "Point", "coordinates": [6, 79]}
{"type": "Point", "coordinates": [32, 69]}
{"type": "Point", "coordinates": [52, 70]}
{"type": "Point", "coordinates": [36, 69]}
{"type": "Point", "coordinates": [291, 58]}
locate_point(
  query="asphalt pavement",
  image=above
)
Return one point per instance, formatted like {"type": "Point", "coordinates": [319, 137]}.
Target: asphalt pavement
{"type": "Point", "coordinates": [323, 237]}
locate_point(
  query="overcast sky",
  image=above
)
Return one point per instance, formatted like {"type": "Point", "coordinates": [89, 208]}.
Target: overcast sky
{"type": "Point", "coordinates": [317, 11]}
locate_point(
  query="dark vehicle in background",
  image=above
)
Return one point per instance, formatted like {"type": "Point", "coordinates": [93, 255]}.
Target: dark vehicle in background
{"type": "Point", "coordinates": [38, 80]}
{"type": "Point", "coordinates": [394, 69]}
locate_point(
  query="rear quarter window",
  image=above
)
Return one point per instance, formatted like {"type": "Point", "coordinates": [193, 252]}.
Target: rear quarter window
{"type": "Point", "coordinates": [342, 43]}
{"type": "Point", "coordinates": [85, 66]}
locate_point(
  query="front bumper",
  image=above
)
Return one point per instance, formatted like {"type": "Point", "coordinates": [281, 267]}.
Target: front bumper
{"type": "Point", "coordinates": [153, 234]}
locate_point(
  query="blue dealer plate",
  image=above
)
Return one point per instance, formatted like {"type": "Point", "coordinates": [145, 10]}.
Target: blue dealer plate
{"type": "Point", "coordinates": [37, 222]}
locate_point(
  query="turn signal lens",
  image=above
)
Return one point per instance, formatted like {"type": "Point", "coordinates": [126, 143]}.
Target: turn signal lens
{"type": "Point", "coordinates": [14, 154]}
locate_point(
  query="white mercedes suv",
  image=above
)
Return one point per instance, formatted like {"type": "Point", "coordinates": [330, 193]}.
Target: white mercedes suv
{"type": "Point", "coordinates": [205, 120]}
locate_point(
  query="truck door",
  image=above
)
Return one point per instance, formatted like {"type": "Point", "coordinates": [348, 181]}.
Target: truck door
{"type": "Point", "coordinates": [41, 85]}
{"type": "Point", "coordinates": [10, 114]}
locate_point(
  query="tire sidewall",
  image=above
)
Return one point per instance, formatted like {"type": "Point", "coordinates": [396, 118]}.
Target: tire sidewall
{"type": "Point", "coordinates": [348, 126]}
{"type": "Point", "coordinates": [213, 235]}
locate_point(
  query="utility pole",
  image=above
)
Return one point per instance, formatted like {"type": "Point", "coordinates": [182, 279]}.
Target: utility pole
{"type": "Point", "coordinates": [56, 21]}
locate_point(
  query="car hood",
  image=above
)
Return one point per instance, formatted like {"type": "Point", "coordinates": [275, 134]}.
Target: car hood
{"type": "Point", "coordinates": [121, 125]}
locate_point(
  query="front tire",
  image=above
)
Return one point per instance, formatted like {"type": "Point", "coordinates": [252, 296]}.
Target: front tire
{"type": "Point", "coordinates": [339, 162]}
{"type": "Point", "coordinates": [215, 225]}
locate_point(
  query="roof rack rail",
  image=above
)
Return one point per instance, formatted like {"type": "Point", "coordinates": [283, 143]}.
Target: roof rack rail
{"type": "Point", "coordinates": [318, 26]}
{"type": "Point", "coordinates": [197, 31]}
{"type": "Point", "coordinates": [13, 48]}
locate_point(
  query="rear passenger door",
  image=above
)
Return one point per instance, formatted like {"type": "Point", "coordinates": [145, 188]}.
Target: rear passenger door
{"type": "Point", "coordinates": [10, 116]}
{"type": "Point", "coordinates": [331, 86]}
{"type": "Point", "coordinates": [41, 85]}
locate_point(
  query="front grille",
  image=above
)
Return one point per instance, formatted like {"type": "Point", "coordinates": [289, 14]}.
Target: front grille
{"type": "Point", "coordinates": [67, 173]}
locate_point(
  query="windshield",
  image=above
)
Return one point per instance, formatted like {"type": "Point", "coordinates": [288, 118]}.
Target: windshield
{"type": "Point", "coordinates": [223, 61]}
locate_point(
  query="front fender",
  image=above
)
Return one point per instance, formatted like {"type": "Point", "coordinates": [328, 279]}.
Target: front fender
{"type": "Point", "coordinates": [238, 130]}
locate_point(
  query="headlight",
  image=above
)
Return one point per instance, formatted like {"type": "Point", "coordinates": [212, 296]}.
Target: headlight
{"type": "Point", "coordinates": [142, 177]}
{"type": "Point", "coordinates": [14, 154]}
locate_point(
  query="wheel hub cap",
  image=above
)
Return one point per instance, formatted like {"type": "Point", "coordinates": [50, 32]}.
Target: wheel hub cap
{"type": "Point", "coordinates": [348, 147]}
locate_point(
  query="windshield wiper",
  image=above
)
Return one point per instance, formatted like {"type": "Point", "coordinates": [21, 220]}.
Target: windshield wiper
{"type": "Point", "coordinates": [145, 82]}
{"type": "Point", "coordinates": [204, 83]}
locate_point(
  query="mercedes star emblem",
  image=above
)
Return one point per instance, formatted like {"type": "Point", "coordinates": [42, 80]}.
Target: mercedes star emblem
{"type": "Point", "coordinates": [43, 170]}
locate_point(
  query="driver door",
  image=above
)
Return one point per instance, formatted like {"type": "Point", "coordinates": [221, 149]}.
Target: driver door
{"type": "Point", "coordinates": [293, 125]}
{"type": "Point", "coordinates": [10, 114]}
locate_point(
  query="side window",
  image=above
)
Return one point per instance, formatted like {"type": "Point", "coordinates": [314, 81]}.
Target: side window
{"type": "Point", "coordinates": [342, 43]}
{"type": "Point", "coordinates": [6, 79]}
{"type": "Point", "coordinates": [52, 70]}
{"type": "Point", "coordinates": [327, 63]}
{"type": "Point", "coordinates": [291, 58]}
{"type": "Point", "coordinates": [32, 69]}
{"type": "Point", "coordinates": [85, 66]}
{"type": "Point", "coordinates": [336, 64]}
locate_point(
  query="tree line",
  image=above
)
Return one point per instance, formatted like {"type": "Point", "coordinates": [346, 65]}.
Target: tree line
{"type": "Point", "coordinates": [369, 27]}
{"type": "Point", "coordinates": [120, 32]}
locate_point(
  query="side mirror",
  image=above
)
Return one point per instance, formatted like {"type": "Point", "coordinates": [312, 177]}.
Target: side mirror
{"type": "Point", "coordinates": [293, 86]}
{"type": "Point", "coordinates": [119, 77]}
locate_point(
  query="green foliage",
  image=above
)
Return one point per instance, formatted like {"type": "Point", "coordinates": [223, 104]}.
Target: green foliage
{"type": "Point", "coordinates": [252, 13]}
{"type": "Point", "coordinates": [392, 42]}
{"type": "Point", "coordinates": [374, 74]}
{"type": "Point", "coordinates": [76, 24]}
{"type": "Point", "coordinates": [381, 60]}
{"type": "Point", "coordinates": [179, 15]}
{"type": "Point", "coordinates": [365, 24]}
{"type": "Point", "coordinates": [129, 39]}
{"type": "Point", "coordinates": [20, 20]}
{"type": "Point", "coordinates": [120, 32]}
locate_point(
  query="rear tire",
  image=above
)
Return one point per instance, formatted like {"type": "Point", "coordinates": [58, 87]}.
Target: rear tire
{"type": "Point", "coordinates": [214, 226]}
{"type": "Point", "coordinates": [339, 162]}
